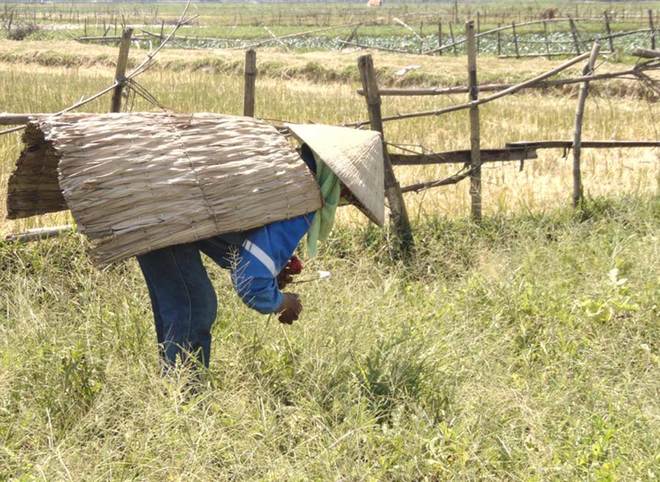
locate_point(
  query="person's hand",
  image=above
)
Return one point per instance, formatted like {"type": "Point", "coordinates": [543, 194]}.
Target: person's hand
{"type": "Point", "coordinates": [294, 266]}
{"type": "Point", "coordinates": [284, 278]}
{"type": "Point", "coordinates": [290, 308]}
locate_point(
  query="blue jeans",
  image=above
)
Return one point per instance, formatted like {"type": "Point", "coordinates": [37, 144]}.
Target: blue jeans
{"type": "Point", "coordinates": [182, 296]}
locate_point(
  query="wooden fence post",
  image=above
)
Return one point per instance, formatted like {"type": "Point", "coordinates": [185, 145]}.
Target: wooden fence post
{"type": "Point", "coordinates": [652, 28]}
{"type": "Point", "coordinates": [515, 39]}
{"type": "Point", "coordinates": [499, 40]}
{"type": "Point", "coordinates": [120, 71]}
{"type": "Point", "coordinates": [478, 31]}
{"type": "Point", "coordinates": [545, 35]}
{"type": "Point", "coordinates": [453, 40]}
{"type": "Point", "coordinates": [439, 37]}
{"type": "Point", "coordinates": [399, 214]}
{"type": "Point", "coordinates": [475, 148]}
{"type": "Point", "coordinates": [608, 29]}
{"type": "Point", "coordinates": [576, 40]}
{"type": "Point", "coordinates": [250, 79]}
{"type": "Point", "coordinates": [579, 115]}
{"type": "Point", "coordinates": [351, 37]}
{"type": "Point", "coordinates": [421, 37]}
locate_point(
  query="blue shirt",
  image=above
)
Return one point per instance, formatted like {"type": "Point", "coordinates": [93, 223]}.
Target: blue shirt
{"type": "Point", "coordinates": [265, 252]}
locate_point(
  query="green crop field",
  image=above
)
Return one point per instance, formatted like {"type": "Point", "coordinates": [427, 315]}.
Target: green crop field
{"type": "Point", "coordinates": [521, 348]}
{"type": "Point", "coordinates": [233, 25]}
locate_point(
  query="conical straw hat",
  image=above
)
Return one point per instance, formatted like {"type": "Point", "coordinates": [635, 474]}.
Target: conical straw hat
{"type": "Point", "coordinates": [355, 156]}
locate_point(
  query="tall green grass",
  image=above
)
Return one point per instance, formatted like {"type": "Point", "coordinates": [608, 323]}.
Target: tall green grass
{"type": "Point", "coordinates": [525, 348]}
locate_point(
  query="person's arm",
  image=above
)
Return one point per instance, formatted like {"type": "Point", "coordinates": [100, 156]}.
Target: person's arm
{"type": "Point", "coordinates": [257, 291]}
{"type": "Point", "coordinates": [261, 258]}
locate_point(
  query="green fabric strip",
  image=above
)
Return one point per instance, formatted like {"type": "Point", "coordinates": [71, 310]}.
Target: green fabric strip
{"type": "Point", "coordinates": [324, 217]}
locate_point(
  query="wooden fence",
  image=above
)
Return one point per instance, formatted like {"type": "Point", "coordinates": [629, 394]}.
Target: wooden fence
{"type": "Point", "coordinates": [475, 157]}
{"type": "Point", "coordinates": [509, 40]}
{"type": "Point", "coordinates": [472, 159]}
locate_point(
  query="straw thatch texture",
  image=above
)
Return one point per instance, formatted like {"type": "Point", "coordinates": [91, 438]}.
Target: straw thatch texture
{"type": "Point", "coordinates": [138, 182]}
{"type": "Point", "coordinates": [33, 187]}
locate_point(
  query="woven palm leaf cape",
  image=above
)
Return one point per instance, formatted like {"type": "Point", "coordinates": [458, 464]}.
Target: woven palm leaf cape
{"type": "Point", "coordinates": [139, 182]}
{"type": "Point", "coordinates": [142, 181]}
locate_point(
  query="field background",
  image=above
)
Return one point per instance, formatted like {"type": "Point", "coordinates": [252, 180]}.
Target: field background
{"type": "Point", "coordinates": [236, 25]}
{"type": "Point", "coordinates": [522, 348]}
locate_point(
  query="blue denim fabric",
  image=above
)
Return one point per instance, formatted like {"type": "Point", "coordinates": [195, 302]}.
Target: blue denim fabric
{"type": "Point", "coordinates": [182, 296]}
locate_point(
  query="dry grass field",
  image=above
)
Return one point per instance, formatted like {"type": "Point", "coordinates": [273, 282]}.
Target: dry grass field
{"type": "Point", "coordinates": [297, 87]}
{"type": "Point", "coordinates": [524, 348]}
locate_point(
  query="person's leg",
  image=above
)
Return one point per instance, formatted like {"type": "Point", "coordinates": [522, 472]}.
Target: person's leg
{"type": "Point", "coordinates": [158, 321]}
{"type": "Point", "coordinates": [223, 249]}
{"type": "Point", "coordinates": [183, 301]}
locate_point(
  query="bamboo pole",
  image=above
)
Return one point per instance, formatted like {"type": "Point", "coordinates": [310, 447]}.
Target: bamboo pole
{"type": "Point", "coordinates": [260, 43]}
{"type": "Point", "coordinates": [276, 38]}
{"type": "Point", "coordinates": [647, 54]}
{"type": "Point", "coordinates": [475, 155]}
{"type": "Point", "coordinates": [37, 234]}
{"type": "Point", "coordinates": [566, 144]}
{"type": "Point", "coordinates": [463, 156]}
{"type": "Point", "coordinates": [576, 41]}
{"type": "Point", "coordinates": [351, 36]}
{"type": "Point", "coordinates": [440, 37]}
{"type": "Point", "coordinates": [515, 39]}
{"type": "Point", "coordinates": [556, 42]}
{"type": "Point", "coordinates": [579, 116]}
{"type": "Point", "coordinates": [478, 31]}
{"type": "Point", "coordinates": [521, 24]}
{"type": "Point", "coordinates": [373, 47]}
{"type": "Point", "coordinates": [408, 27]}
{"type": "Point", "coordinates": [250, 79]}
{"type": "Point", "coordinates": [629, 32]}
{"type": "Point", "coordinates": [511, 90]}
{"type": "Point", "coordinates": [496, 87]}
{"type": "Point", "coordinates": [652, 28]}
{"type": "Point", "coordinates": [608, 29]}
{"type": "Point", "coordinates": [398, 213]}
{"type": "Point", "coordinates": [545, 37]}
{"type": "Point", "coordinates": [120, 72]}
{"type": "Point", "coordinates": [144, 65]}
{"type": "Point", "coordinates": [453, 39]}
{"type": "Point", "coordinates": [107, 39]}
{"type": "Point", "coordinates": [542, 54]}
{"type": "Point", "coordinates": [430, 184]}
